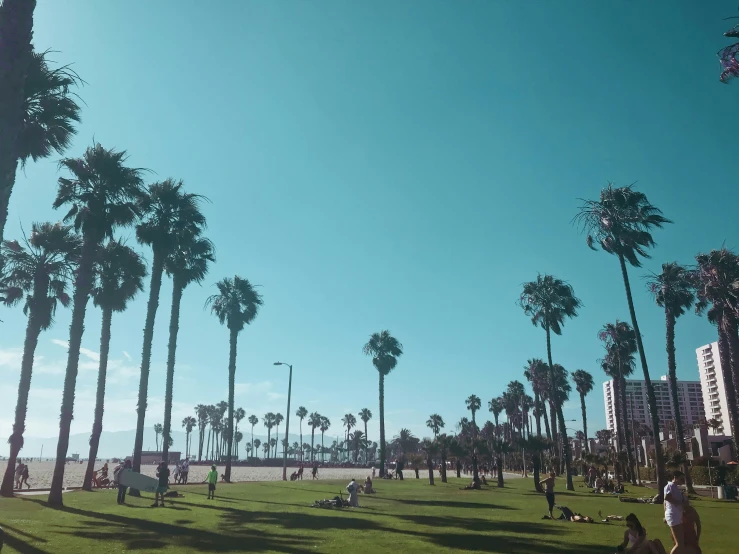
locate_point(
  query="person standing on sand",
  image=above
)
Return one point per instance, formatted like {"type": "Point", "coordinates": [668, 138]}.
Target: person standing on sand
{"type": "Point", "coordinates": [184, 471]}
{"type": "Point", "coordinates": [19, 473]}
{"type": "Point", "coordinates": [548, 486]}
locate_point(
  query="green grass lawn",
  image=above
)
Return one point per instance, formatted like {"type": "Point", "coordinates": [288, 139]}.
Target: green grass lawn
{"type": "Point", "coordinates": [405, 516]}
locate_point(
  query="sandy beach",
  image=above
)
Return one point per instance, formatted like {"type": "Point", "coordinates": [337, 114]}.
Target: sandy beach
{"type": "Point", "coordinates": [40, 473]}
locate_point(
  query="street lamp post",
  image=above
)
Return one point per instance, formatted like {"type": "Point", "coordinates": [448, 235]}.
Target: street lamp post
{"type": "Point", "coordinates": [287, 420]}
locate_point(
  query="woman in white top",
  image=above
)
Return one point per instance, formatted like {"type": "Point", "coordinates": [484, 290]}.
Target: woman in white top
{"type": "Point", "coordinates": [674, 502]}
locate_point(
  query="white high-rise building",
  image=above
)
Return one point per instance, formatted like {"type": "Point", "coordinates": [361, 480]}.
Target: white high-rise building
{"type": "Point", "coordinates": [714, 392]}
{"type": "Point", "coordinates": [689, 399]}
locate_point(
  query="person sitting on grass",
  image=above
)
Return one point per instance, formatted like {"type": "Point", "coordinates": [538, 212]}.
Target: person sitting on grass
{"type": "Point", "coordinates": [163, 476]}
{"type": "Point", "coordinates": [212, 479]}
{"type": "Point", "coordinates": [368, 486]}
{"type": "Point", "coordinates": [635, 539]}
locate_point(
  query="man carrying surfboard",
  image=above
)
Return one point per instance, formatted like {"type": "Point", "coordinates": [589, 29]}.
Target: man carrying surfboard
{"type": "Point", "coordinates": [163, 476]}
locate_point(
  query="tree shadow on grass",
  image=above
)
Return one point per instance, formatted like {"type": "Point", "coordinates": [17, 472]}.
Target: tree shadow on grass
{"type": "Point", "coordinates": [17, 531]}
{"type": "Point", "coordinates": [20, 545]}
{"type": "Point", "coordinates": [480, 525]}
{"type": "Point", "coordinates": [320, 520]}
{"type": "Point", "coordinates": [142, 534]}
{"type": "Point", "coordinates": [502, 544]}
{"type": "Point", "coordinates": [453, 504]}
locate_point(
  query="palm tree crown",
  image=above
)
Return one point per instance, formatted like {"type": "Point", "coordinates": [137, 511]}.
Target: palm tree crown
{"type": "Point", "coordinates": [583, 381]}
{"type": "Point", "coordinates": [236, 304]}
{"type": "Point", "coordinates": [620, 222]}
{"type": "Point", "coordinates": [188, 262]}
{"type": "Point", "coordinates": [119, 276]}
{"type": "Point", "coordinates": [385, 351]}
{"type": "Point", "coordinates": [673, 289]}
{"type": "Point", "coordinates": [435, 423]}
{"type": "Point", "coordinates": [548, 301]}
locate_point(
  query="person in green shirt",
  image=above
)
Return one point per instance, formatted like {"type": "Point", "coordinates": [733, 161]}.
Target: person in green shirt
{"type": "Point", "coordinates": [163, 476]}
{"type": "Point", "coordinates": [212, 479]}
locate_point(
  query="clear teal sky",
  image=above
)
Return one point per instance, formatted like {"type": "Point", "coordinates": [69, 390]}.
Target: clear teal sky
{"type": "Point", "coordinates": [401, 165]}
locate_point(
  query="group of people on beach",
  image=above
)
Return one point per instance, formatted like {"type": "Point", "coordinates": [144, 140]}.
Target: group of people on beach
{"type": "Point", "coordinates": [21, 475]}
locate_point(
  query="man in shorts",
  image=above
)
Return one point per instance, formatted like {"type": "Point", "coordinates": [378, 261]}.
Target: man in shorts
{"type": "Point", "coordinates": [212, 479]}
{"type": "Point", "coordinates": [163, 476]}
{"type": "Point", "coordinates": [184, 470]}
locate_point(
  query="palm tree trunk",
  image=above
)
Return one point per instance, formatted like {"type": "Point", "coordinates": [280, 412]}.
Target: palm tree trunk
{"type": "Point", "coordinates": [301, 440]}
{"type": "Point", "coordinates": [382, 425]}
{"type": "Point", "coordinates": [620, 418]}
{"type": "Point", "coordinates": [729, 353]}
{"type": "Point", "coordinates": [97, 425]}
{"type": "Point", "coordinates": [151, 312]}
{"type": "Point", "coordinates": [535, 461]}
{"type": "Point", "coordinates": [563, 429]}
{"type": "Point", "coordinates": [231, 388]}
{"type": "Point", "coordinates": [672, 375]}
{"type": "Point", "coordinates": [553, 418]}
{"type": "Point", "coordinates": [499, 463]}
{"type": "Point", "coordinates": [174, 327]}
{"type": "Point", "coordinates": [82, 287]}
{"type": "Point", "coordinates": [652, 400]}
{"type": "Point", "coordinates": [16, 32]}
{"type": "Point", "coordinates": [207, 446]}
{"type": "Point", "coordinates": [543, 410]}
{"type": "Point", "coordinates": [627, 433]}
{"type": "Point", "coordinates": [584, 423]}
{"type": "Point", "coordinates": [33, 330]}
{"type": "Point", "coordinates": [443, 468]}
{"type": "Point", "coordinates": [430, 465]}
{"type": "Point", "coordinates": [366, 443]}
{"type": "Point", "coordinates": [252, 441]}
{"type": "Point", "coordinates": [312, 435]}
{"type": "Point", "coordinates": [538, 414]}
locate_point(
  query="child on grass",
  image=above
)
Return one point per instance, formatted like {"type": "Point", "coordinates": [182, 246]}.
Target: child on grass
{"type": "Point", "coordinates": [212, 479]}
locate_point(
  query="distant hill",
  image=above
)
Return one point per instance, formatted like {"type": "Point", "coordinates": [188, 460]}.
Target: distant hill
{"type": "Point", "coordinates": [120, 443]}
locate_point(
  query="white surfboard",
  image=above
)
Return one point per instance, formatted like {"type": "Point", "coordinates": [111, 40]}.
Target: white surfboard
{"type": "Point", "coordinates": [134, 480]}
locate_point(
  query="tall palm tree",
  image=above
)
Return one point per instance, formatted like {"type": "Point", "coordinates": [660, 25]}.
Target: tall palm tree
{"type": "Point", "coordinates": [41, 272]}
{"type": "Point", "coordinates": [102, 194]}
{"type": "Point", "coordinates": [674, 291]}
{"type": "Point", "coordinates": [187, 263]}
{"type": "Point", "coordinates": [584, 384]}
{"type": "Point", "coordinates": [717, 275]}
{"type": "Point", "coordinates": [189, 424]}
{"type": "Point", "coordinates": [236, 304]}
{"type": "Point", "coordinates": [255, 450]}
{"type": "Point", "coordinates": [253, 420]}
{"type": "Point", "coordinates": [435, 423]}
{"type": "Point", "coordinates": [239, 414]}
{"type": "Point", "coordinates": [119, 277]}
{"type": "Point", "coordinates": [365, 415]}
{"type": "Point", "coordinates": [349, 422]}
{"type": "Point", "coordinates": [279, 418]}
{"type": "Point", "coordinates": [620, 343]}
{"type": "Point", "coordinates": [473, 404]}
{"type": "Point", "coordinates": [548, 301]}
{"type": "Point", "coordinates": [16, 31]}
{"type": "Point", "coordinates": [45, 118]}
{"type": "Point", "coordinates": [168, 213]}
{"type": "Point", "coordinates": [516, 392]}
{"type": "Point", "coordinates": [535, 373]}
{"type": "Point", "coordinates": [385, 351]}
{"type": "Point", "coordinates": [269, 422]}
{"type": "Point", "coordinates": [157, 433]}
{"type": "Point", "coordinates": [495, 406]}
{"type": "Point", "coordinates": [301, 414]}
{"type": "Point", "coordinates": [325, 425]}
{"type": "Point", "coordinates": [314, 420]}
{"type": "Point", "coordinates": [621, 221]}
{"type": "Point", "coordinates": [201, 411]}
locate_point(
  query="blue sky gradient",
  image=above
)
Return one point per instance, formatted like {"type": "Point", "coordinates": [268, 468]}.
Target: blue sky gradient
{"type": "Point", "coordinates": [401, 165]}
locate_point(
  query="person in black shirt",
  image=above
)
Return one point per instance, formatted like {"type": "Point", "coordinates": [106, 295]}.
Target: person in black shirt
{"type": "Point", "coordinates": [163, 476]}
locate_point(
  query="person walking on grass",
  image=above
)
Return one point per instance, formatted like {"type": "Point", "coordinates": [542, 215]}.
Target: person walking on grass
{"type": "Point", "coordinates": [212, 479]}
{"type": "Point", "coordinates": [548, 486]}
{"type": "Point", "coordinates": [674, 504]}
{"type": "Point", "coordinates": [122, 488]}
{"type": "Point", "coordinates": [163, 476]}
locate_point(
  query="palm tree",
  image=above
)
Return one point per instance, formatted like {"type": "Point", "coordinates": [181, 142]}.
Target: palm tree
{"type": "Point", "coordinates": [157, 431]}
{"type": "Point", "coordinates": [189, 424]}
{"type": "Point", "coordinates": [269, 421]}
{"type": "Point", "coordinates": [515, 392]}
{"type": "Point", "coordinates": [431, 448]}
{"type": "Point", "coordinates": [621, 222]}
{"type": "Point", "coordinates": [716, 278]}
{"type": "Point", "coordinates": [500, 447]}
{"type": "Point", "coordinates": [187, 263]}
{"type": "Point", "coordinates": [385, 351]}
{"type": "Point", "coordinates": [253, 420]}
{"type": "Point", "coordinates": [239, 414]}
{"type": "Point", "coordinates": [325, 425]}
{"type": "Point", "coordinates": [619, 363]}
{"type": "Point", "coordinates": [314, 420]}
{"type": "Point", "coordinates": [674, 291]}
{"type": "Point", "coordinates": [535, 372]}
{"type": "Point", "coordinates": [255, 450]}
{"type": "Point", "coordinates": [16, 31]}
{"type": "Point", "coordinates": [236, 304]}
{"type": "Point", "coordinates": [495, 406]}
{"type": "Point", "coordinates": [301, 414]}
{"type": "Point", "coordinates": [119, 277]}
{"type": "Point", "coordinates": [41, 272]}
{"type": "Point", "coordinates": [365, 415]}
{"type": "Point", "coordinates": [349, 422]}
{"type": "Point", "coordinates": [237, 439]}
{"type": "Point", "coordinates": [48, 113]}
{"type": "Point", "coordinates": [584, 384]}
{"type": "Point", "coordinates": [536, 446]}
{"type": "Point", "coordinates": [473, 404]}
{"type": "Point", "coordinates": [548, 301]}
{"type": "Point", "coordinates": [435, 423]}
{"type": "Point", "coordinates": [201, 410]}
{"type": "Point", "coordinates": [279, 418]}
{"type": "Point", "coordinates": [168, 213]}
{"type": "Point", "coordinates": [102, 194]}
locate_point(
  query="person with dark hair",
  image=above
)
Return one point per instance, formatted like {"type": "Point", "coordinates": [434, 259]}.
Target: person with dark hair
{"type": "Point", "coordinates": [122, 488]}
{"type": "Point", "coordinates": [548, 486]}
{"type": "Point", "coordinates": [692, 529]}
{"type": "Point", "coordinates": [635, 539]}
{"type": "Point", "coordinates": [163, 476]}
{"type": "Point", "coordinates": [674, 503]}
